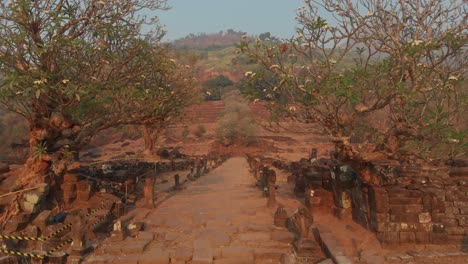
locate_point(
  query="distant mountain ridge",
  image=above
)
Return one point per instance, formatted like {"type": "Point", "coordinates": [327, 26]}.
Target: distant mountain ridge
{"type": "Point", "coordinates": [209, 41]}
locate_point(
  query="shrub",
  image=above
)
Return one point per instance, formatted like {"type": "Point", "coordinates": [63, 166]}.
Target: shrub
{"type": "Point", "coordinates": [185, 132]}
{"type": "Point", "coordinates": [236, 124]}
{"type": "Point", "coordinates": [200, 131]}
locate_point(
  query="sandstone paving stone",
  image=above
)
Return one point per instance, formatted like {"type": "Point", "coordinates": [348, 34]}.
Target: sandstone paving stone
{"type": "Point", "coordinates": [269, 253]}
{"type": "Point", "coordinates": [374, 259]}
{"type": "Point", "coordinates": [327, 261]}
{"type": "Point", "coordinates": [124, 259]}
{"type": "Point", "coordinates": [234, 261]}
{"type": "Point", "coordinates": [246, 227]}
{"type": "Point", "coordinates": [99, 260]}
{"type": "Point", "coordinates": [171, 236]}
{"type": "Point", "coordinates": [183, 254]}
{"type": "Point", "coordinates": [154, 256]}
{"type": "Point", "coordinates": [202, 256]}
{"type": "Point", "coordinates": [236, 252]}
{"type": "Point", "coordinates": [216, 237]}
{"type": "Point", "coordinates": [283, 236]}
{"type": "Point", "coordinates": [145, 236]}
{"type": "Point", "coordinates": [134, 246]}
{"type": "Point", "coordinates": [254, 236]}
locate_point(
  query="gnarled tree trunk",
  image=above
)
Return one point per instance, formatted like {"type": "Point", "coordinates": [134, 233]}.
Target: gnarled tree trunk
{"type": "Point", "coordinates": [150, 135]}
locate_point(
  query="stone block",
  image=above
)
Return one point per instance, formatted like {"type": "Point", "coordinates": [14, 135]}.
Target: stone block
{"type": "Point", "coordinates": [406, 209]}
{"type": "Point", "coordinates": [237, 252]}
{"type": "Point", "coordinates": [254, 236]}
{"type": "Point", "coordinates": [462, 220]}
{"type": "Point", "coordinates": [405, 218]}
{"type": "Point", "coordinates": [439, 238]}
{"type": "Point", "coordinates": [283, 236]}
{"type": "Point", "coordinates": [423, 237]}
{"type": "Point", "coordinates": [43, 219]}
{"type": "Point", "coordinates": [455, 231]}
{"type": "Point", "coordinates": [450, 222]}
{"type": "Point", "coordinates": [407, 237]}
{"type": "Point", "coordinates": [438, 228]}
{"type": "Point", "coordinates": [378, 199]}
{"type": "Point", "coordinates": [425, 218]}
{"type": "Point", "coordinates": [269, 254]}
{"type": "Point", "coordinates": [216, 237]}
{"type": "Point", "coordinates": [182, 254]}
{"type": "Point", "coordinates": [391, 237]}
{"type": "Point", "coordinates": [154, 256]}
{"type": "Point", "coordinates": [71, 177]}
{"type": "Point", "coordinates": [463, 210]}
{"type": "Point", "coordinates": [202, 255]}
{"type": "Point", "coordinates": [234, 261]}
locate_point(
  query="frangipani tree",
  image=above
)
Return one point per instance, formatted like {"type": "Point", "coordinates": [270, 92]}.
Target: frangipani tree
{"type": "Point", "coordinates": [390, 72]}
{"type": "Point", "coordinates": [72, 68]}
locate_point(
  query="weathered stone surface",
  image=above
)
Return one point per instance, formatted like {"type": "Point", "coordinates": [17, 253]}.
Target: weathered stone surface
{"type": "Point", "coordinates": [233, 261]}
{"type": "Point", "coordinates": [134, 247]}
{"type": "Point", "coordinates": [202, 255]}
{"type": "Point", "coordinates": [154, 256]}
{"type": "Point", "coordinates": [283, 236]}
{"type": "Point", "coordinates": [254, 236]}
{"type": "Point", "coordinates": [236, 252]}
{"type": "Point", "coordinates": [269, 254]}
{"type": "Point", "coordinates": [182, 254]}
{"type": "Point", "coordinates": [216, 237]}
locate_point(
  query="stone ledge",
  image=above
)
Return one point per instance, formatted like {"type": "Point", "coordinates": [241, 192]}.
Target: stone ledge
{"type": "Point", "coordinates": [330, 246]}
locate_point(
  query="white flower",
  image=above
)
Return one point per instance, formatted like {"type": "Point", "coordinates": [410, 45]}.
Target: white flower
{"type": "Point", "coordinates": [39, 82]}
{"type": "Point", "coordinates": [274, 67]}
{"type": "Point", "coordinates": [247, 74]}
{"type": "Point", "coordinates": [65, 81]}
{"type": "Point", "coordinates": [454, 140]}
{"type": "Point", "coordinates": [453, 78]}
{"type": "Point", "coordinates": [292, 108]}
{"type": "Point", "coordinates": [416, 42]}
{"type": "Point", "coordinates": [326, 26]}
{"type": "Point", "coordinates": [208, 93]}
{"type": "Point", "coordinates": [275, 88]}
{"type": "Point", "coordinates": [332, 61]}
{"type": "Point", "coordinates": [147, 91]}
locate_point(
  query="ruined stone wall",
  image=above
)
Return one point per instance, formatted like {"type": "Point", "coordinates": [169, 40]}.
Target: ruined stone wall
{"type": "Point", "coordinates": [401, 204]}
{"type": "Point", "coordinates": [422, 205]}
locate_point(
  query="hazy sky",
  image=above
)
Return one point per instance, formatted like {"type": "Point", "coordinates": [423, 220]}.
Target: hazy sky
{"type": "Point", "coordinates": [251, 16]}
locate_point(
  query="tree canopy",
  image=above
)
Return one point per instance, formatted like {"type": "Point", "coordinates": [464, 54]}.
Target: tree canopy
{"type": "Point", "coordinates": [387, 72]}
{"type": "Point", "coordinates": [73, 68]}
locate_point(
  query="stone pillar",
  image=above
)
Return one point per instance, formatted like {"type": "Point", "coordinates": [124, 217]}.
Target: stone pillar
{"type": "Point", "coordinates": [281, 217]}
{"type": "Point", "coordinates": [176, 180]}
{"type": "Point", "coordinates": [271, 178]}
{"type": "Point", "coordinates": [78, 247]}
{"type": "Point", "coordinates": [149, 192]}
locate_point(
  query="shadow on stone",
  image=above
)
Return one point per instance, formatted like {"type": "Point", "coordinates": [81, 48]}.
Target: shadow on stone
{"type": "Point", "coordinates": [464, 245]}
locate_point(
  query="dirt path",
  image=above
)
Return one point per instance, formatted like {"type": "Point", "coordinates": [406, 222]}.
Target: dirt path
{"type": "Point", "coordinates": [221, 217]}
